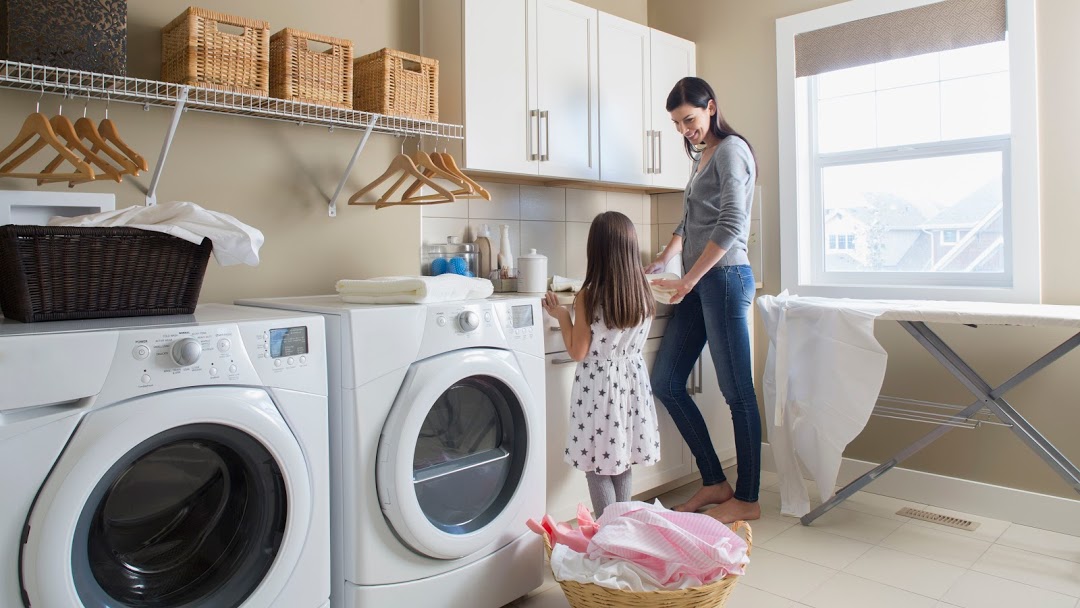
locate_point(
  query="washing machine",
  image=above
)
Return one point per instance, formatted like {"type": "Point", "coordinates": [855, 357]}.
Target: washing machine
{"type": "Point", "coordinates": [437, 450]}
{"type": "Point", "coordinates": [165, 461]}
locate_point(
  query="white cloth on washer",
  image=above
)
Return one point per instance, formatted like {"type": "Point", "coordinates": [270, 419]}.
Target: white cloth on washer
{"type": "Point", "coordinates": [234, 241]}
{"type": "Point", "coordinates": [414, 290]}
{"type": "Point", "coordinates": [662, 294]}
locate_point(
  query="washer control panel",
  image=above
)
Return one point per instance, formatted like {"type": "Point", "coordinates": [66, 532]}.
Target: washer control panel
{"type": "Point", "coordinates": [500, 323]}
{"type": "Point", "coordinates": [285, 353]}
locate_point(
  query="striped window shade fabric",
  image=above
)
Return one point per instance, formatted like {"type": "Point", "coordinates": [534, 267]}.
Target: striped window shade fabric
{"type": "Point", "coordinates": [941, 26]}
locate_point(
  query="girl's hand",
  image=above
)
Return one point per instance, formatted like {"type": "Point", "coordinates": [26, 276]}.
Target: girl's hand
{"type": "Point", "coordinates": [551, 306]}
{"type": "Point", "coordinates": [678, 287]}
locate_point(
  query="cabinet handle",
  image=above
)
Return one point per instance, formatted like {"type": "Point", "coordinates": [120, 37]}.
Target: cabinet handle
{"type": "Point", "coordinates": [534, 114]}
{"type": "Point", "coordinates": [562, 361]}
{"type": "Point", "coordinates": [700, 376]}
{"type": "Point", "coordinates": [547, 134]}
{"type": "Point", "coordinates": [660, 152]}
{"type": "Point", "coordinates": [647, 158]}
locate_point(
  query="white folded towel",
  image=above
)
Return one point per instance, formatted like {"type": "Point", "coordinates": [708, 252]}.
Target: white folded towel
{"type": "Point", "coordinates": [564, 284]}
{"type": "Point", "coordinates": [234, 241]}
{"type": "Point", "coordinates": [662, 294]}
{"type": "Point", "coordinates": [413, 290]}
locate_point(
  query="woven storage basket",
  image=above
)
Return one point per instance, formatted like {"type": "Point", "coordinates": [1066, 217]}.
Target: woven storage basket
{"type": "Point", "coordinates": [397, 84]}
{"type": "Point", "coordinates": [52, 273]}
{"type": "Point", "coordinates": [301, 74]}
{"type": "Point", "coordinates": [713, 595]}
{"type": "Point", "coordinates": [196, 51]}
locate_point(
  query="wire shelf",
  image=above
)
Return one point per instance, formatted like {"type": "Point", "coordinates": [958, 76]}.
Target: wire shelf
{"type": "Point", "coordinates": [79, 84]}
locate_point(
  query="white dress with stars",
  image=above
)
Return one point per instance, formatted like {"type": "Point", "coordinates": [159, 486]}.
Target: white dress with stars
{"type": "Point", "coordinates": [612, 415]}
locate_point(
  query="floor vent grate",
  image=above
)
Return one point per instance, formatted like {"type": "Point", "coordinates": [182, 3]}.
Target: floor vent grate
{"type": "Point", "coordinates": [944, 520]}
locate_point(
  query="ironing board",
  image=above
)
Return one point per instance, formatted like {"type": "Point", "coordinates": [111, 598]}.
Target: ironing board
{"type": "Point", "coordinates": [913, 316]}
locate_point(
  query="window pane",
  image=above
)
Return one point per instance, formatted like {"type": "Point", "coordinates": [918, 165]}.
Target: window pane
{"type": "Point", "coordinates": [920, 69]}
{"type": "Point", "coordinates": [846, 82]}
{"type": "Point", "coordinates": [908, 115]}
{"type": "Point", "coordinates": [898, 212]}
{"type": "Point", "coordinates": [846, 123]}
{"type": "Point", "coordinates": [975, 60]}
{"type": "Point", "coordinates": [976, 106]}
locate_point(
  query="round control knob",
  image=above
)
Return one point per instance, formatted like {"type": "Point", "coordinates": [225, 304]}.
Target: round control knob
{"type": "Point", "coordinates": [140, 352]}
{"type": "Point", "coordinates": [145, 378]}
{"type": "Point", "coordinates": [468, 320]}
{"type": "Point", "coordinates": [186, 351]}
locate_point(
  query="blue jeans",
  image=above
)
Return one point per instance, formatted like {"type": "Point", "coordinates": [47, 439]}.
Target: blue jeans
{"type": "Point", "coordinates": [714, 312]}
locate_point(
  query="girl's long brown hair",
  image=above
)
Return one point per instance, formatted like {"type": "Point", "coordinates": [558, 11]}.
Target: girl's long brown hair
{"type": "Point", "coordinates": [615, 281]}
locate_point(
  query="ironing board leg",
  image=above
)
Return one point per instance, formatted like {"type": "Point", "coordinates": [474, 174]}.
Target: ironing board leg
{"type": "Point", "coordinates": [988, 397]}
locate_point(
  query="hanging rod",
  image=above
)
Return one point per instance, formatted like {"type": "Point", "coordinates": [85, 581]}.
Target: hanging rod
{"type": "Point", "coordinates": [918, 410]}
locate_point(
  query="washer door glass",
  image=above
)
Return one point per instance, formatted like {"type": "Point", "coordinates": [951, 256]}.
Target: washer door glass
{"type": "Point", "coordinates": [471, 443]}
{"type": "Point", "coordinates": [455, 450]}
{"type": "Point", "coordinates": [193, 512]}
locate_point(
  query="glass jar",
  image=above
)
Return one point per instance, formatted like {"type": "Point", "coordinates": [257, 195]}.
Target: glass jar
{"type": "Point", "coordinates": [453, 257]}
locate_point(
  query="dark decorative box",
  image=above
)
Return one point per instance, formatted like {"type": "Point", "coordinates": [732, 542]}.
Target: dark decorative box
{"type": "Point", "coordinates": [88, 35]}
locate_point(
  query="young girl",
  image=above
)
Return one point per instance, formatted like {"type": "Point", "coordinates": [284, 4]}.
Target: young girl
{"type": "Point", "coordinates": [612, 417]}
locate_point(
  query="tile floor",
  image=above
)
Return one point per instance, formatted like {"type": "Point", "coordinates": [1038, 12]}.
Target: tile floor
{"type": "Point", "coordinates": [863, 554]}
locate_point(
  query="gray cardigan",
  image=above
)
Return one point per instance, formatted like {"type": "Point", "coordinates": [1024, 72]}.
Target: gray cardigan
{"type": "Point", "coordinates": [716, 205]}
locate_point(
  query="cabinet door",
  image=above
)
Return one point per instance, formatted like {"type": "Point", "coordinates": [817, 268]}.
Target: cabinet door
{"type": "Point", "coordinates": [499, 88]}
{"type": "Point", "coordinates": [675, 459]}
{"type": "Point", "coordinates": [566, 486]}
{"type": "Point", "coordinates": [672, 59]}
{"type": "Point", "coordinates": [625, 119]}
{"type": "Point", "coordinates": [566, 74]}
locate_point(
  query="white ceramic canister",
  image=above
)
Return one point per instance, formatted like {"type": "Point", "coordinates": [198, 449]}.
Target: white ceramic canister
{"type": "Point", "coordinates": [532, 273]}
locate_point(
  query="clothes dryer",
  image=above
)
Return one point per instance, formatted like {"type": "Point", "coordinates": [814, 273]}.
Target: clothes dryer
{"type": "Point", "coordinates": [165, 461]}
{"type": "Point", "coordinates": [437, 450]}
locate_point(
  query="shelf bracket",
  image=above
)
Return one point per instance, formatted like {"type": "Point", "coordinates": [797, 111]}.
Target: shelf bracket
{"type": "Point", "coordinates": [181, 101]}
{"type": "Point", "coordinates": [352, 161]}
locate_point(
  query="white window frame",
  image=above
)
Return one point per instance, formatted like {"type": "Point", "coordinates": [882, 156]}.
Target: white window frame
{"type": "Point", "coordinates": [800, 227]}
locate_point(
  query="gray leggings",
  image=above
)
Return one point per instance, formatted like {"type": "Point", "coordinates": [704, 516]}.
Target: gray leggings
{"type": "Point", "coordinates": [606, 489]}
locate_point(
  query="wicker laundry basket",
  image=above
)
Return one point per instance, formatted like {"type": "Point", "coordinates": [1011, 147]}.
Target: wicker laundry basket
{"type": "Point", "coordinates": [713, 595]}
{"type": "Point", "coordinates": [54, 273]}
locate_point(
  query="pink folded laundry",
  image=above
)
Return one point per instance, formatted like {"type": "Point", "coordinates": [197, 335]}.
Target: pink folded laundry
{"type": "Point", "coordinates": [669, 545]}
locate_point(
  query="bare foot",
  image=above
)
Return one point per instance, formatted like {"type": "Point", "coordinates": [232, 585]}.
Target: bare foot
{"type": "Point", "coordinates": [707, 495]}
{"type": "Point", "coordinates": [735, 510]}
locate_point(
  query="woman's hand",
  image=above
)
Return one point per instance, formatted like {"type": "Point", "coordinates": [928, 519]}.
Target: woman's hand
{"type": "Point", "coordinates": [678, 287]}
{"type": "Point", "coordinates": [551, 306]}
{"type": "Point", "coordinates": [655, 267]}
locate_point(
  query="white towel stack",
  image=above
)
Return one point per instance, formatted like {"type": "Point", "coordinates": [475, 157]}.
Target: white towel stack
{"type": "Point", "coordinates": [413, 290]}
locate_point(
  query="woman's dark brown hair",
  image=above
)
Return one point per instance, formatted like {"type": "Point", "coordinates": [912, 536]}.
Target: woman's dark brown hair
{"type": "Point", "coordinates": [696, 92]}
{"type": "Point", "coordinates": [615, 282]}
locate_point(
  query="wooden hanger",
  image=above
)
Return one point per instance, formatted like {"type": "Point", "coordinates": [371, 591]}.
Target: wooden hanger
{"type": "Point", "coordinates": [451, 166]}
{"type": "Point", "coordinates": [86, 130]}
{"type": "Point", "coordinates": [408, 168]}
{"type": "Point", "coordinates": [433, 168]}
{"type": "Point", "coordinates": [108, 131]}
{"type": "Point", "coordinates": [65, 129]}
{"type": "Point", "coordinates": [38, 125]}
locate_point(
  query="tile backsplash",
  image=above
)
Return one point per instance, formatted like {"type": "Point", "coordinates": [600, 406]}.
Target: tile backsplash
{"type": "Point", "coordinates": [554, 221]}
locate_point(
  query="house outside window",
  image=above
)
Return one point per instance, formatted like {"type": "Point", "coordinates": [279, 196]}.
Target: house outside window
{"type": "Point", "coordinates": [926, 158]}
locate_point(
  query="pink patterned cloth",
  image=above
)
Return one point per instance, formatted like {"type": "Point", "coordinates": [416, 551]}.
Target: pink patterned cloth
{"type": "Point", "coordinates": [669, 545]}
{"type": "Point", "coordinates": [577, 539]}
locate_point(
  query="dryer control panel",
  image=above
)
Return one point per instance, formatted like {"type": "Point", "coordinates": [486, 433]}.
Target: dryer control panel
{"type": "Point", "coordinates": [279, 353]}
{"type": "Point", "coordinates": [511, 323]}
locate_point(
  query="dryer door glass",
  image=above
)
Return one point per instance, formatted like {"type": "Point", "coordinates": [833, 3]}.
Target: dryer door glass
{"type": "Point", "coordinates": [193, 516]}
{"type": "Point", "coordinates": [469, 454]}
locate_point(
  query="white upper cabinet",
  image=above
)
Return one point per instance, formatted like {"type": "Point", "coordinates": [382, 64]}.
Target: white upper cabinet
{"type": "Point", "coordinates": [638, 67]}
{"type": "Point", "coordinates": [521, 76]}
{"type": "Point", "coordinates": [673, 58]}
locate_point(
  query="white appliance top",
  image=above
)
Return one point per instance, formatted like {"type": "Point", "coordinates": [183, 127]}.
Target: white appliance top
{"type": "Point", "coordinates": [332, 304]}
{"type": "Point", "coordinates": [206, 314]}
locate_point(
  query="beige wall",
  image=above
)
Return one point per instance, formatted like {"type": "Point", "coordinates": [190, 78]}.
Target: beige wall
{"type": "Point", "coordinates": [277, 177]}
{"type": "Point", "coordinates": [737, 54]}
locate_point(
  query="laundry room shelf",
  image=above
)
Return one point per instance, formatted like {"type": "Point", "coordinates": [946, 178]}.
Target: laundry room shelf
{"type": "Point", "coordinates": [77, 84]}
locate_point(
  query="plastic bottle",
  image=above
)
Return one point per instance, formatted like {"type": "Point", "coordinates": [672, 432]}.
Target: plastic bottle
{"type": "Point", "coordinates": [506, 258]}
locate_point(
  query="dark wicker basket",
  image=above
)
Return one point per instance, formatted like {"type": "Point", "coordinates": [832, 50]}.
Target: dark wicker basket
{"type": "Point", "coordinates": [52, 273]}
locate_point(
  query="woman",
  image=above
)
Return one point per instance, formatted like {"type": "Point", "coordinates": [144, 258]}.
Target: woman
{"type": "Point", "coordinates": [712, 298]}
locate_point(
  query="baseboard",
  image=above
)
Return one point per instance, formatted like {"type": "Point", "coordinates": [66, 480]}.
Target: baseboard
{"type": "Point", "coordinates": [996, 502]}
